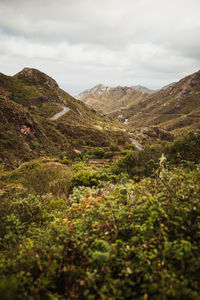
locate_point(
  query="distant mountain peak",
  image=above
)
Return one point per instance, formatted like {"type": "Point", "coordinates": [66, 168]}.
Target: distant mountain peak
{"type": "Point", "coordinates": [36, 76]}
{"type": "Point", "coordinates": [143, 89]}
{"type": "Point", "coordinates": [98, 89]}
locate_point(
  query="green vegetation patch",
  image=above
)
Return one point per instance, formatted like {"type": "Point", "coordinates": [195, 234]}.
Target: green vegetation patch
{"type": "Point", "coordinates": [134, 241]}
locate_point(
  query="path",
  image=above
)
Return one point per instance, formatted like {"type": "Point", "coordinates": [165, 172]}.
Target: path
{"type": "Point", "coordinates": [171, 114]}
{"type": "Point", "coordinates": [60, 114]}
{"type": "Point", "coordinates": [137, 145]}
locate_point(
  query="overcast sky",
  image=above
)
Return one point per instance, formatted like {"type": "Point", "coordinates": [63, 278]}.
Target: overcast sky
{"type": "Point", "coordinates": [81, 43]}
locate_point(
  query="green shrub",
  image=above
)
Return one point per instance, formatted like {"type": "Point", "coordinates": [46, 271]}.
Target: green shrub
{"type": "Point", "coordinates": [185, 148]}
{"type": "Point", "coordinates": [56, 205]}
{"type": "Point", "coordinates": [8, 288]}
{"type": "Point", "coordinates": [109, 154]}
{"type": "Point", "coordinates": [11, 231]}
{"type": "Point", "coordinates": [138, 163]}
{"type": "Point", "coordinates": [100, 252]}
{"type": "Point", "coordinates": [137, 241]}
{"type": "Point", "coordinates": [114, 148]}
{"type": "Point", "coordinates": [48, 178]}
{"type": "Point", "coordinates": [66, 161]}
{"type": "Point", "coordinates": [35, 144]}
{"type": "Point", "coordinates": [27, 209]}
{"type": "Point", "coordinates": [99, 153]}
{"type": "Point", "coordinates": [85, 178]}
{"type": "Point", "coordinates": [92, 178]}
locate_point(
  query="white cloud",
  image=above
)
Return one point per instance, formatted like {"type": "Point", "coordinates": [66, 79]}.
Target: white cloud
{"type": "Point", "coordinates": [83, 42]}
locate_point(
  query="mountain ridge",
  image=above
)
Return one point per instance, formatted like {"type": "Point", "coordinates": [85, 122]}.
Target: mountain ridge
{"type": "Point", "coordinates": [173, 107]}
{"type": "Point", "coordinates": [109, 99]}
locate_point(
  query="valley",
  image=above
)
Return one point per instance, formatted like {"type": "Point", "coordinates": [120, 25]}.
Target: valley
{"type": "Point", "coordinates": [175, 107]}
{"type": "Point", "coordinates": [99, 196]}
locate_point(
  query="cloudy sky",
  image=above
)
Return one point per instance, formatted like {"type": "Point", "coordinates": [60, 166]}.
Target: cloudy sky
{"type": "Point", "coordinates": [81, 43]}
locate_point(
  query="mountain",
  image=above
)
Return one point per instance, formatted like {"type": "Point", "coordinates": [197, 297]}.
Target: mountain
{"type": "Point", "coordinates": [110, 99]}
{"type": "Point", "coordinates": [29, 100]}
{"type": "Point", "coordinates": [168, 85]}
{"type": "Point", "coordinates": [173, 108]}
{"type": "Point", "coordinates": [98, 89]}
{"type": "Point", "coordinates": [143, 89]}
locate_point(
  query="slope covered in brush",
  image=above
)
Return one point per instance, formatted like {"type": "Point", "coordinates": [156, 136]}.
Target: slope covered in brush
{"type": "Point", "coordinates": [28, 101]}
{"type": "Point", "coordinates": [175, 107]}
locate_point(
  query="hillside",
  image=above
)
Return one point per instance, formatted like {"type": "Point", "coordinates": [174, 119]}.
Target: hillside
{"type": "Point", "coordinates": [78, 231]}
{"type": "Point", "coordinates": [88, 215]}
{"type": "Point", "coordinates": [28, 102]}
{"type": "Point", "coordinates": [111, 99]}
{"type": "Point", "coordinates": [176, 107]}
{"type": "Point", "coordinates": [98, 89]}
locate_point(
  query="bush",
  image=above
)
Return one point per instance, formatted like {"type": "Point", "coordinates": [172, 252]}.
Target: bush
{"type": "Point", "coordinates": [27, 209]}
{"type": "Point", "coordinates": [109, 154]}
{"type": "Point", "coordinates": [66, 161]}
{"type": "Point", "coordinates": [99, 153]}
{"type": "Point", "coordinates": [185, 148]}
{"type": "Point", "coordinates": [138, 163]}
{"type": "Point", "coordinates": [140, 241]}
{"type": "Point", "coordinates": [49, 178]}
{"type": "Point", "coordinates": [91, 178]}
{"type": "Point", "coordinates": [85, 178]}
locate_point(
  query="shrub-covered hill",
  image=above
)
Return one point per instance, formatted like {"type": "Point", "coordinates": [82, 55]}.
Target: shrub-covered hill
{"type": "Point", "coordinates": [28, 102]}
{"type": "Point", "coordinates": [175, 107]}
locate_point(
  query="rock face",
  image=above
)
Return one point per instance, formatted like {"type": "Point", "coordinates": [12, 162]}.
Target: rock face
{"type": "Point", "coordinates": [36, 76]}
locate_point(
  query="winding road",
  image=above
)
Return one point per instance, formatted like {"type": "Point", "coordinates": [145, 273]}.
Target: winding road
{"type": "Point", "coordinates": [60, 114]}
{"type": "Point", "coordinates": [66, 109]}
{"type": "Point", "coordinates": [137, 145]}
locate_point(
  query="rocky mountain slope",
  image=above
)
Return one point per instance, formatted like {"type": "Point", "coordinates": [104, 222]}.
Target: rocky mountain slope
{"type": "Point", "coordinates": [29, 100]}
{"type": "Point", "coordinates": [149, 91]}
{"type": "Point", "coordinates": [143, 89]}
{"type": "Point", "coordinates": [175, 107]}
{"type": "Point", "coordinates": [110, 99]}
{"type": "Point", "coordinates": [98, 89]}
{"type": "Point", "coordinates": [166, 86]}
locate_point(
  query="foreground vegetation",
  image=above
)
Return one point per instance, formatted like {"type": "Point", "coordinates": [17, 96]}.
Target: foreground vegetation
{"type": "Point", "coordinates": [127, 231]}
